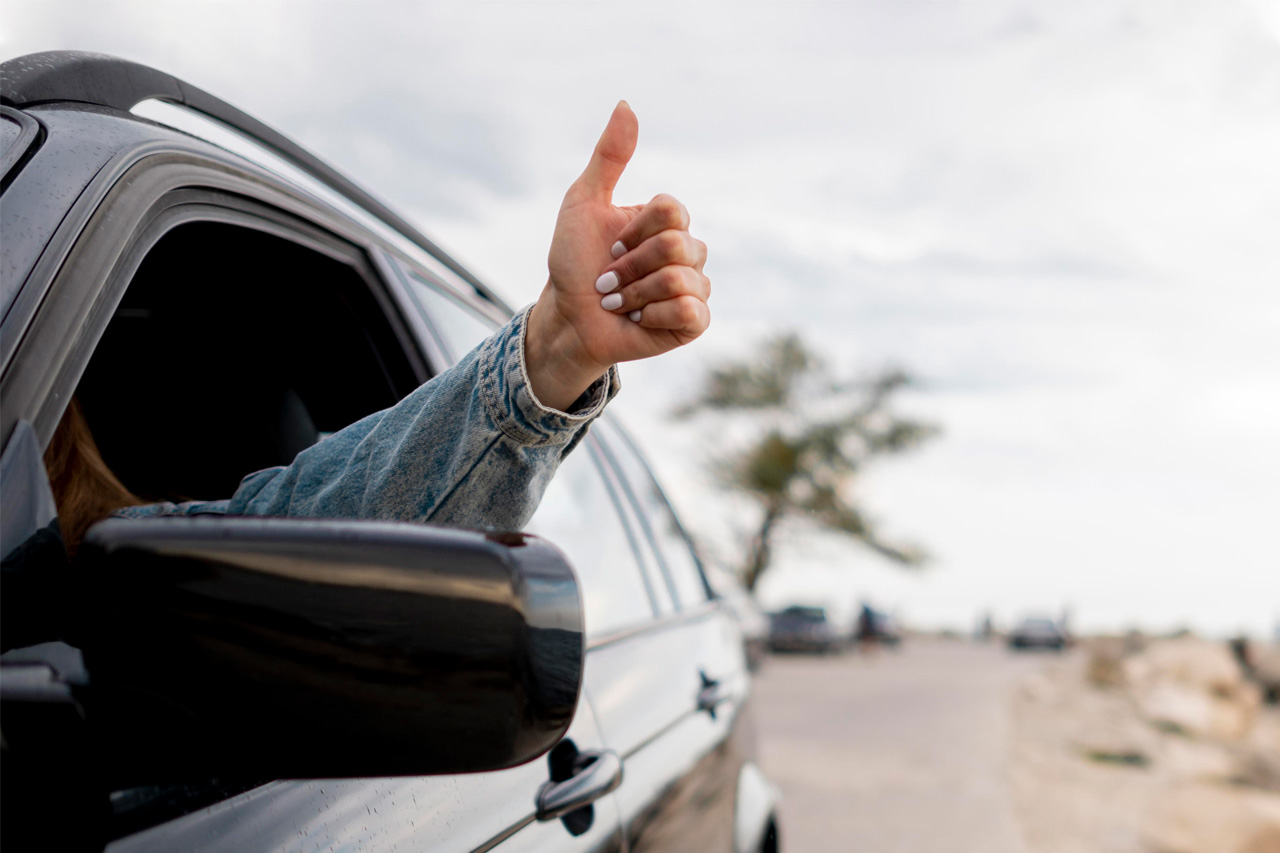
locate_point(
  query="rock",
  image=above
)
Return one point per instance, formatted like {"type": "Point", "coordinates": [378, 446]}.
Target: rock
{"type": "Point", "coordinates": [1267, 673]}
{"type": "Point", "coordinates": [1106, 664]}
{"type": "Point", "coordinates": [1193, 686]}
{"type": "Point", "coordinates": [1186, 760]}
{"type": "Point", "coordinates": [1214, 819]}
{"type": "Point", "coordinates": [1258, 770]}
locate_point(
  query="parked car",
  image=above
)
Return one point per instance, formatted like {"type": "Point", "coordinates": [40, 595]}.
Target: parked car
{"type": "Point", "coordinates": [803, 627]}
{"type": "Point", "coordinates": [218, 299]}
{"type": "Point", "coordinates": [1038, 632]}
{"type": "Point", "coordinates": [877, 626]}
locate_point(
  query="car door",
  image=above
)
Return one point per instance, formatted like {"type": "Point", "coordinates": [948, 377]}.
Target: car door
{"type": "Point", "coordinates": [580, 514]}
{"type": "Point", "coordinates": [670, 698]}
{"type": "Point", "coordinates": [322, 348]}
{"type": "Point", "coordinates": [668, 688]}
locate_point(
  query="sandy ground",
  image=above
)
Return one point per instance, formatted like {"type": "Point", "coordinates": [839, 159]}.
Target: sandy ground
{"type": "Point", "coordinates": [899, 751]}
{"type": "Point", "coordinates": [1092, 775]}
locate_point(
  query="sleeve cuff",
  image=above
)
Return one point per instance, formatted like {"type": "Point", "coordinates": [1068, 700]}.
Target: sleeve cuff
{"type": "Point", "coordinates": [510, 401]}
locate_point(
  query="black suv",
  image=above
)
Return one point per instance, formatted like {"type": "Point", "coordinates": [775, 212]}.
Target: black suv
{"type": "Point", "coordinates": [281, 684]}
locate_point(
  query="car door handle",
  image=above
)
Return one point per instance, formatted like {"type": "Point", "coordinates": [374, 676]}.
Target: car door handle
{"type": "Point", "coordinates": [712, 694]}
{"type": "Point", "coordinates": [596, 773]}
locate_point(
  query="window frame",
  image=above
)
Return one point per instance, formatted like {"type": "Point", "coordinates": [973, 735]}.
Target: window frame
{"type": "Point", "coordinates": [157, 195]}
{"type": "Point", "coordinates": [405, 272]}
{"type": "Point", "coordinates": [650, 559]}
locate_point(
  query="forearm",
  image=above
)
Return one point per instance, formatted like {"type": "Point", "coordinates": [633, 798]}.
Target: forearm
{"type": "Point", "coordinates": [471, 448]}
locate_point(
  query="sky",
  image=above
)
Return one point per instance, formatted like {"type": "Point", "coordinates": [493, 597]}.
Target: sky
{"type": "Point", "coordinates": [1063, 218]}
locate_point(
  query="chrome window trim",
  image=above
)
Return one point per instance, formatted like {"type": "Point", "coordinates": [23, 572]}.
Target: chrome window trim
{"type": "Point", "coordinates": [705, 610]}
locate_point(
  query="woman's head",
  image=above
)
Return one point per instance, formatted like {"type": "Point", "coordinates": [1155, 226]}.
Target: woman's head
{"type": "Point", "coordinates": [84, 488]}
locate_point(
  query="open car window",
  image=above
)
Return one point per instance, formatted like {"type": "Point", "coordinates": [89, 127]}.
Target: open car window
{"type": "Point", "coordinates": [231, 351]}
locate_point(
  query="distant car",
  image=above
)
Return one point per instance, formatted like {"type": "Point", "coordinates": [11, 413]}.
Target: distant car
{"type": "Point", "coordinates": [876, 626]}
{"type": "Point", "coordinates": [1038, 632]}
{"type": "Point", "coordinates": [887, 630]}
{"type": "Point", "coordinates": [806, 628]}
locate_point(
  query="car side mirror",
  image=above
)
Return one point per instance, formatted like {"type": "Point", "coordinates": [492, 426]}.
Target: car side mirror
{"type": "Point", "coordinates": [282, 648]}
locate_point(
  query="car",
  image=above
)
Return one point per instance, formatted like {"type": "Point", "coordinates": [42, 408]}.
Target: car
{"type": "Point", "coordinates": [877, 627]}
{"type": "Point", "coordinates": [888, 631]}
{"type": "Point", "coordinates": [240, 684]}
{"type": "Point", "coordinates": [1038, 632]}
{"type": "Point", "coordinates": [806, 627]}
{"type": "Point", "coordinates": [752, 621]}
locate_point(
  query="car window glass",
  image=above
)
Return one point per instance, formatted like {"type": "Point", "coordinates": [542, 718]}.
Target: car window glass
{"type": "Point", "coordinates": [664, 594]}
{"type": "Point", "coordinates": [579, 516]}
{"type": "Point", "coordinates": [673, 546]}
{"type": "Point", "coordinates": [460, 328]}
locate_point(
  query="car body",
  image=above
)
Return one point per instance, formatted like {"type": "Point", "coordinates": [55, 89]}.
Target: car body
{"type": "Point", "coordinates": [808, 628]}
{"type": "Point", "coordinates": [888, 631]}
{"type": "Point", "coordinates": [1038, 632]}
{"type": "Point", "coordinates": [752, 621]}
{"type": "Point", "coordinates": [219, 300]}
{"type": "Point", "coordinates": [878, 627]}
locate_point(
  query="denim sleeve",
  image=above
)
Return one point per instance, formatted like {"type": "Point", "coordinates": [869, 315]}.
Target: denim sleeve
{"type": "Point", "coordinates": [471, 448]}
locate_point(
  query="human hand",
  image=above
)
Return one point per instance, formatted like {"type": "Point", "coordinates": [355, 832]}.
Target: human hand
{"type": "Point", "coordinates": [625, 282]}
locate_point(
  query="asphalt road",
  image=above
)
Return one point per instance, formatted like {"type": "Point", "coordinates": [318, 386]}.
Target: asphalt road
{"type": "Point", "coordinates": [895, 751]}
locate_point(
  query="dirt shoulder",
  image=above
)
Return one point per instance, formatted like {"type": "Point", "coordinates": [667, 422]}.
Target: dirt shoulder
{"type": "Point", "coordinates": [1163, 749]}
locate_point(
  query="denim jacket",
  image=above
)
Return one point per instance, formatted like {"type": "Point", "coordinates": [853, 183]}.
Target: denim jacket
{"type": "Point", "coordinates": [471, 448]}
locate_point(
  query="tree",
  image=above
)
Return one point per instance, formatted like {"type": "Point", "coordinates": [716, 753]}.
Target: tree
{"type": "Point", "coordinates": [811, 438]}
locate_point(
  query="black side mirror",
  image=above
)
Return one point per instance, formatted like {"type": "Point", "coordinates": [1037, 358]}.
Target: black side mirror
{"type": "Point", "coordinates": [280, 648]}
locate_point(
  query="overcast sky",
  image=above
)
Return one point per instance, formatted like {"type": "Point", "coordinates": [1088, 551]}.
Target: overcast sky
{"type": "Point", "coordinates": [1064, 218]}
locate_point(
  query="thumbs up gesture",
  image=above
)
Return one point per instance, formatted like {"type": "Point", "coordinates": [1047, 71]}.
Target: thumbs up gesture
{"type": "Point", "coordinates": [625, 282]}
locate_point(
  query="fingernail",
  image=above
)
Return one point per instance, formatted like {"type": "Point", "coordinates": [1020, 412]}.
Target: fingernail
{"type": "Point", "coordinates": [618, 250]}
{"type": "Point", "coordinates": [635, 316]}
{"type": "Point", "coordinates": [608, 281]}
{"type": "Point", "coordinates": [612, 302]}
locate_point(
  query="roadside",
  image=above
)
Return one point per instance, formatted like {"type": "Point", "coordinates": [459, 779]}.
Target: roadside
{"type": "Point", "coordinates": [1165, 749]}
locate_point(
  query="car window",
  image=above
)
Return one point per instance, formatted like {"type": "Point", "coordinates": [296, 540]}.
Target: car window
{"type": "Point", "coordinates": [300, 345]}
{"type": "Point", "coordinates": [669, 539]}
{"type": "Point", "coordinates": [578, 514]}
{"type": "Point", "coordinates": [459, 328]}
{"type": "Point", "coordinates": [663, 590]}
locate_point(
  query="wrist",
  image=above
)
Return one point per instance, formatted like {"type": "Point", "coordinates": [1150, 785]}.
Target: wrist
{"type": "Point", "coordinates": [559, 370]}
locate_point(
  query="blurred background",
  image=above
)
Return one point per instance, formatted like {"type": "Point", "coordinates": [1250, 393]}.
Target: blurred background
{"type": "Point", "coordinates": [1049, 231]}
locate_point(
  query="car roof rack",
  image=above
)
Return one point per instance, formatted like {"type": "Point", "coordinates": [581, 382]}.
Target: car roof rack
{"type": "Point", "coordinates": [108, 81]}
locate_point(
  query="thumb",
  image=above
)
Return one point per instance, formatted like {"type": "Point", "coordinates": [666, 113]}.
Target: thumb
{"type": "Point", "coordinates": [613, 151]}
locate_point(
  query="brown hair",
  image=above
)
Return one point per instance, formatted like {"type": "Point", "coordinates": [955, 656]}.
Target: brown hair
{"type": "Point", "coordinates": [84, 488]}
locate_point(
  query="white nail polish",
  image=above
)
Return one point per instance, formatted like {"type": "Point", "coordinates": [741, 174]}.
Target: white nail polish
{"type": "Point", "coordinates": [612, 302]}
{"type": "Point", "coordinates": [635, 316]}
{"type": "Point", "coordinates": [618, 250]}
{"type": "Point", "coordinates": [608, 281]}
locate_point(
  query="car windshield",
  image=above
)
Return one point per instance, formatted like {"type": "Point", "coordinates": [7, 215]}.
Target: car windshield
{"type": "Point", "coordinates": [805, 614]}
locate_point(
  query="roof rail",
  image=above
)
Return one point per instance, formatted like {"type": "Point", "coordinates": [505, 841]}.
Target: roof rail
{"type": "Point", "coordinates": [96, 78]}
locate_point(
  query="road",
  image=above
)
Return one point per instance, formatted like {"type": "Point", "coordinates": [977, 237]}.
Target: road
{"type": "Point", "coordinates": [896, 751]}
